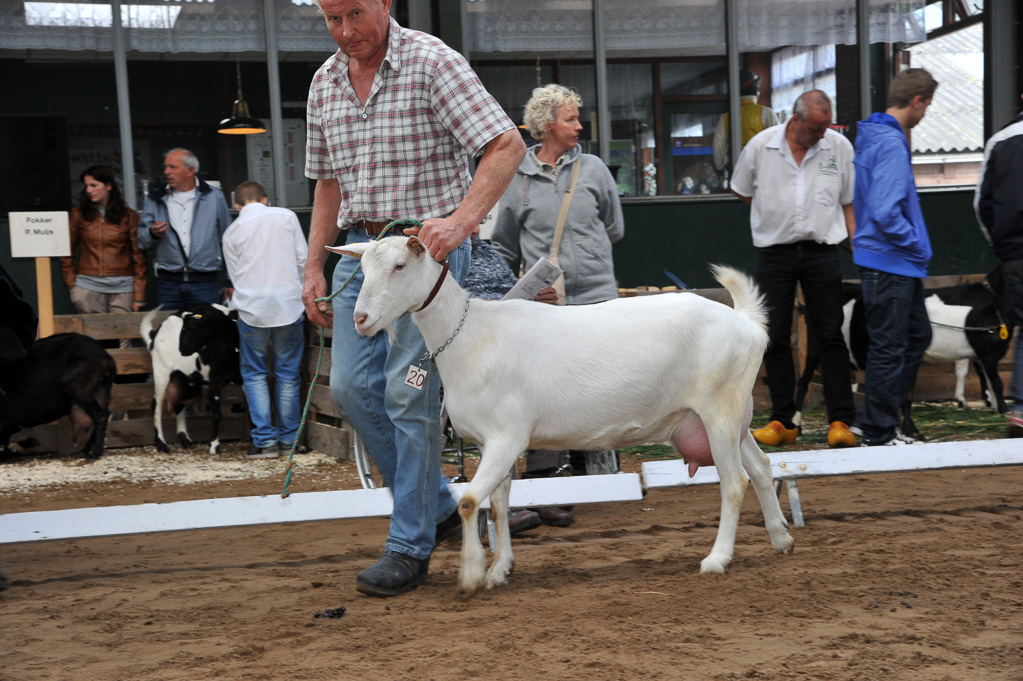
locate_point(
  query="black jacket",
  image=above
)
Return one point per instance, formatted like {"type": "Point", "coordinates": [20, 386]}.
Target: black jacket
{"type": "Point", "coordinates": [999, 197]}
{"type": "Point", "coordinates": [17, 323]}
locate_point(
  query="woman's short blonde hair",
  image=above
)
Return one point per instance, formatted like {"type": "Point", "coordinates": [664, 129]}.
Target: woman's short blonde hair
{"type": "Point", "coordinates": [541, 109]}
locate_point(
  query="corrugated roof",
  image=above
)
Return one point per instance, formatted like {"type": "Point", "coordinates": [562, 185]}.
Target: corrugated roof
{"type": "Point", "coordinates": [955, 119]}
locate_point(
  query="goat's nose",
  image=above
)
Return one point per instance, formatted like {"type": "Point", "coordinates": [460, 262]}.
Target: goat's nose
{"type": "Point", "coordinates": [360, 318]}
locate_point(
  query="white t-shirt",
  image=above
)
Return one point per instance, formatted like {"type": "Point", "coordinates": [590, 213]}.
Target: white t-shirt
{"type": "Point", "coordinates": [181, 210]}
{"type": "Point", "coordinates": [796, 202]}
{"type": "Point", "coordinates": [265, 251]}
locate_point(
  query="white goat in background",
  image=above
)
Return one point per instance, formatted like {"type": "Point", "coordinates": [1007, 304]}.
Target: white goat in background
{"type": "Point", "coordinates": [521, 375]}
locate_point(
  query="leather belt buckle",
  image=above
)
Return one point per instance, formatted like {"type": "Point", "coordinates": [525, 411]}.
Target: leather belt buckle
{"type": "Point", "coordinates": [370, 227]}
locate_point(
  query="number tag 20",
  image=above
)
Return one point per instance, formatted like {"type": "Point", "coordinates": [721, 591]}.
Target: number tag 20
{"type": "Point", "coordinates": [416, 377]}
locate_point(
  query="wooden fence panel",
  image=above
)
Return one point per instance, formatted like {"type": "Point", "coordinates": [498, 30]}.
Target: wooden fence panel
{"type": "Point", "coordinates": [328, 439]}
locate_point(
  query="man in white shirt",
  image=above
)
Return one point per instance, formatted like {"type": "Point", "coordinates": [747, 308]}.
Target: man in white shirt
{"type": "Point", "coordinates": [798, 178]}
{"type": "Point", "coordinates": [265, 251]}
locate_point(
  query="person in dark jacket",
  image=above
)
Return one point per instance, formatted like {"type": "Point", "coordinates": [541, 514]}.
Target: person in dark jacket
{"type": "Point", "coordinates": [184, 222]}
{"type": "Point", "coordinates": [999, 205]}
{"type": "Point", "coordinates": [17, 323]}
{"type": "Point", "coordinates": [892, 249]}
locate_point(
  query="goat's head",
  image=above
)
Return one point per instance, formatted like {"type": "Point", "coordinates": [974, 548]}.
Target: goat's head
{"type": "Point", "coordinates": [201, 325]}
{"type": "Point", "coordinates": [398, 274]}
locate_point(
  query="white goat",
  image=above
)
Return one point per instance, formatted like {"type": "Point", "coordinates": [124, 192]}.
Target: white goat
{"type": "Point", "coordinates": [520, 374]}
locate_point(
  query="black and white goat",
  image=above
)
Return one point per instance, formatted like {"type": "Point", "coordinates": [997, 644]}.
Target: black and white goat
{"type": "Point", "coordinates": [969, 324]}
{"type": "Point", "coordinates": [520, 375]}
{"type": "Point", "coordinates": [192, 348]}
{"type": "Point", "coordinates": [67, 374]}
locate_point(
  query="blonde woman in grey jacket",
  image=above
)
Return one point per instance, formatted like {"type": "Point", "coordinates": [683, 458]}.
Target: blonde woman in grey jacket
{"type": "Point", "coordinates": [528, 211]}
{"type": "Point", "coordinates": [524, 231]}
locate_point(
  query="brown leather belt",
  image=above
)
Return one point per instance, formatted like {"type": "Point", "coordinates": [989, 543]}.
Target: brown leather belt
{"type": "Point", "coordinates": [374, 228]}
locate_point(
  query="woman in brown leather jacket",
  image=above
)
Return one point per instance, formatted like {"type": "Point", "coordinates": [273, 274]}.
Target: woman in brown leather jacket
{"type": "Point", "coordinates": [110, 275]}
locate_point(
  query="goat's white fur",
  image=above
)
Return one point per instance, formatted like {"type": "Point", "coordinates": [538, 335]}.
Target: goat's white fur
{"type": "Point", "coordinates": [527, 375]}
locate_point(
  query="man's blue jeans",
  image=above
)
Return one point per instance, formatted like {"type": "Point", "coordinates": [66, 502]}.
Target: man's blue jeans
{"type": "Point", "coordinates": [286, 344]}
{"type": "Point", "coordinates": [181, 295]}
{"type": "Point", "coordinates": [399, 425]}
{"type": "Point", "coordinates": [899, 332]}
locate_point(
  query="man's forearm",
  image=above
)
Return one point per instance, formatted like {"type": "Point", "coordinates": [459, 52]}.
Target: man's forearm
{"type": "Point", "coordinates": [501, 158]}
{"type": "Point", "coordinates": [323, 229]}
{"type": "Point", "coordinates": [850, 220]}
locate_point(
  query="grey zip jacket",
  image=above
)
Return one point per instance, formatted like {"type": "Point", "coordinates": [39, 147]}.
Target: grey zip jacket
{"type": "Point", "coordinates": [528, 214]}
{"type": "Point", "coordinates": [209, 223]}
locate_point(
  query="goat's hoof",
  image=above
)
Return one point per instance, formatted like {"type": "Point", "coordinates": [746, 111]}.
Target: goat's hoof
{"type": "Point", "coordinates": [184, 441]}
{"type": "Point", "coordinates": [714, 566]}
{"type": "Point", "coordinates": [787, 547]}
{"type": "Point", "coordinates": [214, 448]}
{"type": "Point", "coordinates": [161, 446]}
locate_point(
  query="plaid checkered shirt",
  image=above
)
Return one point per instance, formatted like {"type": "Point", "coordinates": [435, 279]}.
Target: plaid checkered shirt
{"type": "Point", "coordinates": [405, 154]}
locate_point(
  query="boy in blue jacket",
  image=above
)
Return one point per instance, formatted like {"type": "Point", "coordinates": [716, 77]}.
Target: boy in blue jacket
{"type": "Point", "coordinates": [892, 249]}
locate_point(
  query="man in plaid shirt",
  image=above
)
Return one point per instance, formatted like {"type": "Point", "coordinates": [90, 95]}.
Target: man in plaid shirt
{"type": "Point", "coordinates": [393, 119]}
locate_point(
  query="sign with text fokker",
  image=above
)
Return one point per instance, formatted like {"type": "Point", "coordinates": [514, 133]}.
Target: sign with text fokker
{"type": "Point", "coordinates": [40, 234]}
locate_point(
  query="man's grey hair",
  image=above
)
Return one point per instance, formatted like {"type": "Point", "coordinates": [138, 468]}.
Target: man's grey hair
{"type": "Point", "coordinates": [809, 100]}
{"type": "Point", "coordinates": [541, 109]}
{"type": "Point", "coordinates": [187, 157]}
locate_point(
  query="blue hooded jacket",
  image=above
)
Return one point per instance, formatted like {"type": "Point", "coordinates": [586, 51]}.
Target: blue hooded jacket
{"type": "Point", "coordinates": [890, 232]}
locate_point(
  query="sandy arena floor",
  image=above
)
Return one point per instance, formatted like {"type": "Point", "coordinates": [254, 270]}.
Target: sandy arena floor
{"type": "Point", "coordinates": [915, 577]}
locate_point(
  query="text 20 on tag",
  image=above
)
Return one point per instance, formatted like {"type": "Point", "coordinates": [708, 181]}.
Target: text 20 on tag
{"type": "Point", "coordinates": [416, 377]}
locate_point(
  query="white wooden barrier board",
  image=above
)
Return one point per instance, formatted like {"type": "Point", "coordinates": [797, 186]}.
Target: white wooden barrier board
{"type": "Point", "coordinates": [302, 507]}
{"type": "Point", "coordinates": [853, 461]}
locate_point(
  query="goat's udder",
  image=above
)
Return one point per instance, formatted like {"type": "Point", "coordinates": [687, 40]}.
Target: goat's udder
{"type": "Point", "coordinates": [80, 421]}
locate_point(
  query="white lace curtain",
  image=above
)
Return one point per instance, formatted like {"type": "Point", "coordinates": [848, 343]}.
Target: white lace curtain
{"type": "Point", "coordinates": [534, 27]}
{"type": "Point", "coordinates": [162, 26]}
{"type": "Point", "coordinates": [681, 27]}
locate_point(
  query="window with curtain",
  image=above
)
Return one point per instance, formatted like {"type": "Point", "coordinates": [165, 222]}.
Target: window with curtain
{"type": "Point", "coordinates": [794, 70]}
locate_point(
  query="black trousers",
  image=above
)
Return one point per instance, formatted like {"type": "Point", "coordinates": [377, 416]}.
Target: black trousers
{"type": "Point", "coordinates": [817, 269]}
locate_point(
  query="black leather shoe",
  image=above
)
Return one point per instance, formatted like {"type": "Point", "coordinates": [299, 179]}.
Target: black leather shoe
{"type": "Point", "coordinates": [392, 575]}
{"type": "Point", "coordinates": [552, 515]}
{"type": "Point", "coordinates": [449, 528]}
{"type": "Point", "coordinates": [521, 520]}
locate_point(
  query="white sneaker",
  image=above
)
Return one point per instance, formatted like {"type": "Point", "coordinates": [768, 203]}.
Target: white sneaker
{"type": "Point", "coordinates": [896, 441]}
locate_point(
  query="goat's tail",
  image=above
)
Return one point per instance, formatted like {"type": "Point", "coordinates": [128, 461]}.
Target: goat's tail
{"type": "Point", "coordinates": [146, 327]}
{"type": "Point", "coordinates": [746, 297]}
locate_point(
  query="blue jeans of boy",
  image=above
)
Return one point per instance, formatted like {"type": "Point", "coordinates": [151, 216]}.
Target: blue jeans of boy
{"type": "Point", "coordinates": [899, 332]}
{"type": "Point", "coordinates": [399, 425]}
{"type": "Point", "coordinates": [285, 344]}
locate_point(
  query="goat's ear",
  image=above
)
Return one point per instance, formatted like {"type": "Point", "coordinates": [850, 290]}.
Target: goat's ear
{"type": "Point", "coordinates": [415, 246]}
{"type": "Point", "coordinates": [354, 250]}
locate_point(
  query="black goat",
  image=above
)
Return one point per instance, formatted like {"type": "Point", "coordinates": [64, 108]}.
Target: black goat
{"type": "Point", "coordinates": [192, 348]}
{"type": "Point", "coordinates": [66, 374]}
{"type": "Point", "coordinates": [970, 323]}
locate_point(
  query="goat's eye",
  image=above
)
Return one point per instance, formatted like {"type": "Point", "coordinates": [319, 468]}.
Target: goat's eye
{"type": "Point", "coordinates": [399, 267]}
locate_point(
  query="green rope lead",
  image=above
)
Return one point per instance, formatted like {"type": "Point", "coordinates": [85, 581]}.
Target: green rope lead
{"type": "Point", "coordinates": [319, 359]}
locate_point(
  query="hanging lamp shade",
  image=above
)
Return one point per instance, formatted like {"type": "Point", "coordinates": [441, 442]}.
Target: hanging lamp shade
{"type": "Point", "coordinates": [240, 122]}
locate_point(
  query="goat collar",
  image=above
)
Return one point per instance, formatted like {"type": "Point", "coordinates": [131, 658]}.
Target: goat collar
{"type": "Point", "coordinates": [436, 287]}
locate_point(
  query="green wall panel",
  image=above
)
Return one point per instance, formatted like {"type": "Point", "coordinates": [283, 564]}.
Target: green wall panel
{"type": "Point", "coordinates": [687, 237]}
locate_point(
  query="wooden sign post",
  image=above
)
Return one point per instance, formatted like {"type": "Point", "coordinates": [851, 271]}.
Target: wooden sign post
{"type": "Point", "coordinates": [41, 235]}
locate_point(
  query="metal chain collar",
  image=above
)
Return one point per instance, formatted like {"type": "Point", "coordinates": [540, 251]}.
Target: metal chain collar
{"type": "Point", "coordinates": [431, 355]}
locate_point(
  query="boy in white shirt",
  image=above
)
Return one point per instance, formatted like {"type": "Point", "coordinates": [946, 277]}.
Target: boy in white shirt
{"type": "Point", "coordinates": [265, 251]}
